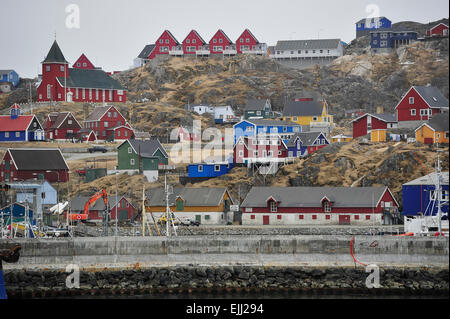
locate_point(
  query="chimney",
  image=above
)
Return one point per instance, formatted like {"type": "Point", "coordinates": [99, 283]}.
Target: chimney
{"type": "Point", "coordinates": [380, 110]}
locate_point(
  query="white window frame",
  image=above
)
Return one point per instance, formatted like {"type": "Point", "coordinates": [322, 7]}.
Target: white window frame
{"type": "Point", "coordinates": [216, 168]}
{"type": "Point", "coordinates": [132, 162]}
{"type": "Point", "coordinates": [200, 168]}
{"type": "Point", "coordinates": [273, 207]}
{"type": "Point", "coordinates": [129, 150]}
{"type": "Point", "coordinates": [411, 100]}
{"type": "Point", "coordinates": [413, 112]}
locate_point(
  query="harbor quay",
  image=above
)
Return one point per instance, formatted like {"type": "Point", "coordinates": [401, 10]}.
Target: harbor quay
{"type": "Point", "coordinates": [228, 264]}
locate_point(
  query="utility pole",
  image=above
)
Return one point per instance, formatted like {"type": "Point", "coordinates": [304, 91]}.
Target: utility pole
{"type": "Point", "coordinates": [117, 204]}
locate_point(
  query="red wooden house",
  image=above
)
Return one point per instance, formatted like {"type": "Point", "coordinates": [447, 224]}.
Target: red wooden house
{"type": "Point", "coordinates": [29, 163]}
{"type": "Point", "coordinates": [261, 149]}
{"type": "Point", "coordinates": [317, 205]}
{"type": "Point", "coordinates": [83, 63]}
{"type": "Point", "coordinates": [59, 83]}
{"type": "Point", "coordinates": [163, 44]}
{"type": "Point", "coordinates": [438, 30]}
{"type": "Point", "coordinates": [364, 124]}
{"type": "Point", "coordinates": [220, 43]}
{"type": "Point", "coordinates": [247, 43]}
{"type": "Point", "coordinates": [123, 206]}
{"type": "Point", "coordinates": [193, 43]}
{"type": "Point", "coordinates": [108, 124]}
{"type": "Point", "coordinates": [420, 103]}
{"type": "Point", "coordinates": [61, 126]}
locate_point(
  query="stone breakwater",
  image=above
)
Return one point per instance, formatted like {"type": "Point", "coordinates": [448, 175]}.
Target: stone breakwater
{"type": "Point", "coordinates": [255, 280]}
{"type": "Point", "coordinates": [233, 230]}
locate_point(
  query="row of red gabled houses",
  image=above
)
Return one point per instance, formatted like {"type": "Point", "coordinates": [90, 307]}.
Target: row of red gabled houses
{"type": "Point", "coordinates": [105, 123]}
{"type": "Point", "coordinates": [194, 44]}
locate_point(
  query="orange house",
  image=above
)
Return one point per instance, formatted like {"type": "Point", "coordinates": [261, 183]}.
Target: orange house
{"type": "Point", "coordinates": [434, 131]}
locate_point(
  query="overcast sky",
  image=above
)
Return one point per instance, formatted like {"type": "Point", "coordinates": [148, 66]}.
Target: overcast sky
{"type": "Point", "coordinates": [113, 32]}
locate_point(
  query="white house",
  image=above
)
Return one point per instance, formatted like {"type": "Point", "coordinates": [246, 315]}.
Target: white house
{"type": "Point", "coordinates": [308, 49]}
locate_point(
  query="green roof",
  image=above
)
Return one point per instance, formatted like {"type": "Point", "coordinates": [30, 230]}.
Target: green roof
{"type": "Point", "coordinates": [95, 79]}
{"type": "Point", "coordinates": [55, 55]}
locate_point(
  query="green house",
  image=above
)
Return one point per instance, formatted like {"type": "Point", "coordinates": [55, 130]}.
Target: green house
{"type": "Point", "coordinates": [258, 109]}
{"type": "Point", "coordinates": [141, 156]}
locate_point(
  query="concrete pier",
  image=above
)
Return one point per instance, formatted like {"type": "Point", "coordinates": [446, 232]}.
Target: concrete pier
{"type": "Point", "coordinates": [126, 252]}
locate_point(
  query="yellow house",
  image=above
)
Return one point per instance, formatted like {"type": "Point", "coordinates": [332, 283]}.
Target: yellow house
{"type": "Point", "coordinates": [310, 113]}
{"type": "Point", "coordinates": [341, 138]}
{"type": "Point", "coordinates": [206, 205]}
{"type": "Point", "coordinates": [434, 131]}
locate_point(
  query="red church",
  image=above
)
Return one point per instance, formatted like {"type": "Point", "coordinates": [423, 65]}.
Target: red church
{"type": "Point", "coordinates": [83, 63]}
{"type": "Point", "coordinates": [421, 103]}
{"type": "Point", "coordinates": [79, 84]}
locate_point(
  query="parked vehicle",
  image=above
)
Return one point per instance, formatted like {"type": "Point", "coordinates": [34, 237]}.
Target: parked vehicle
{"type": "Point", "coordinates": [97, 149]}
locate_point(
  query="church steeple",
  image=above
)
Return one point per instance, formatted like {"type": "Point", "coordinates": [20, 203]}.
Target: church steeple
{"type": "Point", "coordinates": [55, 55]}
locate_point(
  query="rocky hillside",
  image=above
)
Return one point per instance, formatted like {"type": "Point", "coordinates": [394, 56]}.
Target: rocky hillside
{"type": "Point", "coordinates": [363, 81]}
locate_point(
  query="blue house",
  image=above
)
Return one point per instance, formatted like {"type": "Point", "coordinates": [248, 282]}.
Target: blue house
{"type": "Point", "coordinates": [9, 76]}
{"type": "Point", "coordinates": [203, 171]}
{"type": "Point", "coordinates": [209, 170]}
{"type": "Point", "coordinates": [20, 128]}
{"type": "Point", "coordinates": [383, 41]}
{"type": "Point", "coordinates": [304, 144]}
{"type": "Point", "coordinates": [365, 26]}
{"type": "Point", "coordinates": [253, 128]}
{"type": "Point", "coordinates": [419, 196]}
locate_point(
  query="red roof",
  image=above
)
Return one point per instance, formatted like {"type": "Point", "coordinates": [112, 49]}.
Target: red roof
{"type": "Point", "coordinates": [19, 124]}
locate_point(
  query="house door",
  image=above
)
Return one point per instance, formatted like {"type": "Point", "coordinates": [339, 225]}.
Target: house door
{"type": "Point", "coordinates": [344, 220]}
{"type": "Point", "coordinates": [428, 141]}
{"type": "Point", "coordinates": [123, 214]}
{"type": "Point", "coordinates": [266, 220]}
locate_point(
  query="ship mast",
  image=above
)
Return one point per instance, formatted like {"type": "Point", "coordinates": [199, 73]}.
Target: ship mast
{"type": "Point", "coordinates": [438, 190]}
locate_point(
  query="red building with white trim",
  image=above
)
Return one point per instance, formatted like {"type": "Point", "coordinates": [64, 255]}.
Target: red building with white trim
{"type": "Point", "coordinates": [420, 103]}
{"type": "Point", "coordinates": [108, 124]}
{"type": "Point", "coordinates": [61, 126]}
{"type": "Point", "coordinates": [438, 30]}
{"type": "Point", "coordinates": [259, 149]}
{"type": "Point", "coordinates": [60, 83]}
{"type": "Point", "coordinates": [364, 124]}
{"type": "Point", "coordinates": [29, 163]}
{"type": "Point", "coordinates": [317, 205]}
{"type": "Point", "coordinates": [247, 43]}
{"type": "Point", "coordinates": [163, 44]}
{"type": "Point", "coordinates": [220, 43]}
{"type": "Point", "coordinates": [192, 43]}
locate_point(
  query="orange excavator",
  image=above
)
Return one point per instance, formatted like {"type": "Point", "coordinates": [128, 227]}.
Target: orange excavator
{"type": "Point", "coordinates": [90, 202]}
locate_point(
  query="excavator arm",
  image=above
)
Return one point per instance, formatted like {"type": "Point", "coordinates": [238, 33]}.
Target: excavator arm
{"type": "Point", "coordinates": [91, 201]}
